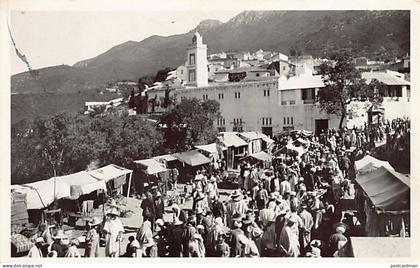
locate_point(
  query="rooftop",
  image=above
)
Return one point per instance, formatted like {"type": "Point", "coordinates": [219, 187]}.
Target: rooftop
{"type": "Point", "coordinates": [301, 81]}
{"type": "Point", "coordinates": [386, 78]}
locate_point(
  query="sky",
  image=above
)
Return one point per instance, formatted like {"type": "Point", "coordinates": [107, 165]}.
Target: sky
{"type": "Point", "coordinates": [49, 38]}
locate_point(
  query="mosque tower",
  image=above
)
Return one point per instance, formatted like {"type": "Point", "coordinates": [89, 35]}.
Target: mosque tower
{"type": "Point", "coordinates": [197, 73]}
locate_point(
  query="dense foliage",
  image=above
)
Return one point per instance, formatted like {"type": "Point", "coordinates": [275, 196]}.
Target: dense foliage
{"type": "Point", "coordinates": [72, 143]}
{"type": "Point", "coordinates": [190, 123]}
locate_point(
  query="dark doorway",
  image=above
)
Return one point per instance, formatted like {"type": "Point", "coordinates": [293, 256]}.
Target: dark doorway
{"type": "Point", "coordinates": [267, 131]}
{"type": "Point", "coordinates": [321, 124]}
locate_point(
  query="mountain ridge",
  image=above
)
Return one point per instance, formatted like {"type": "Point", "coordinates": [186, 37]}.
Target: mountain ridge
{"type": "Point", "coordinates": [383, 34]}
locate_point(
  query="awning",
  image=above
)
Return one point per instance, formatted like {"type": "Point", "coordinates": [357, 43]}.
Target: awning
{"type": "Point", "coordinates": [262, 156]}
{"type": "Point", "coordinates": [152, 166]}
{"type": "Point", "coordinates": [40, 194]}
{"type": "Point", "coordinates": [166, 157]}
{"type": "Point", "coordinates": [210, 148]}
{"type": "Point", "coordinates": [368, 164]}
{"type": "Point", "coordinates": [388, 190]}
{"type": "Point", "coordinates": [229, 140]}
{"type": "Point", "coordinates": [109, 172]}
{"type": "Point", "coordinates": [192, 158]}
{"type": "Point", "coordinates": [82, 183]}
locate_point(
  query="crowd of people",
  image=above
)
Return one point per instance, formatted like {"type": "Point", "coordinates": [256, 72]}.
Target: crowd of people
{"type": "Point", "coordinates": [289, 207]}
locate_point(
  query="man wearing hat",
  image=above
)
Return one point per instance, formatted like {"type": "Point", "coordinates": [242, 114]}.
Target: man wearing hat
{"type": "Point", "coordinates": [188, 233]}
{"type": "Point", "coordinates": [58, 245]}
{"type": "Point", "coordinates": [200, 202]}
{"type": "Point", "coordinates": [236, 233]}
{"type": "Point", "coordinates": [284, 186]}
{"type": "Point", "coordinates": [236, 205]}
{"type": "Point", "coordinates": [289, 240]}
{"type": "Point", "coordinates": [218, 208]}
{"type": "Point", "coordinates": [221, 249]}
{"type": "Point", "coordinates": [211, 189]}
{"type": "Point", "coordinates": [113, 229]}
{"type": "Point", "coordinates": [306, 228]}
{"type": "Point", "coordinates": [35, 251]}
{"type": "Point", "coordinates": [337, 238]}
{"type": "Point", "coordinates": [92, 238]}
{"type": "Point", "coordinates": [213, 235]}
{"type": "Point", "coordinates": [175, 238]}
{"type": "Point", "coordinates": [149, 208]}
{"type": "Point", "coordinates": [159, 206]}
{"type": "Point", "coordinates": [269, 237]}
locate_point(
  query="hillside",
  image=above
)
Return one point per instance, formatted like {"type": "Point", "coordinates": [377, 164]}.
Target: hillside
{"type": "Point", "coordinates": [383, 34]}
{"type": "Point", "coordinates": [30, 106]}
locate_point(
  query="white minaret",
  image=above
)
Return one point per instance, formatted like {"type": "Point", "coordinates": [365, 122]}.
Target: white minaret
{"type": "Point", "coordinates": [197, 73]}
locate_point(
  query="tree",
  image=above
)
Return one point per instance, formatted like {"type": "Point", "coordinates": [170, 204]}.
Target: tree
{"type": "Point", "coordinates": [190, 123]}
{"type": "Point", "coordinates": [343, 84]}
{"type": "Point", "coordinates": [167, 100]}
{"type": "Point", "coordinates": [162, 74]}
{"type": "Point", "coordinates": [63, 144]}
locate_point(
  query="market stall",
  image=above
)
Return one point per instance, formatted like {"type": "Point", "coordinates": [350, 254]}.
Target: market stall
{"type": "Point", "coordinates": [192, 161]}
{"type": "Point", "coordinates": [212, 150]}
{"type": "Point", "coordinates": [146, 174]}
{"type": "Point", "coordinates": [40, 195]}
{"type": "Point", "coordinates": [236, 148]}
{"type": "Point", "coordinates": [260, 157]}
{"type": "Point", "coordinates": [115, 178]}
{"type": "Point", "coordinates": [383, 202]}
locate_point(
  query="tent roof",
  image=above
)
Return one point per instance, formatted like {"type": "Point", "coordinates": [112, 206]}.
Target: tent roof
{"type": "Point", "coordinates": [210, 148]}
{"type": "Point", "coordinates": [192, 158]}
{"type": "Point", "coordinates": [230, 139]}
{"type": "Point", "coordinates": [166, 157]}
{"type": "Point", "coordinates": [262, 156]}
{"type": "Point", "coordinates": [387, 189]}
{"type": "Point", "coordinates": [83, 179]}
{"type": "Point", "coordinates": [370, 163]}
{"type": "Point", "coordinates": [251, 135]}
{"type": "Point", "coordinates": [152, 166]}
{"type": "Point", "coordinates": [109, 172]}
{"type": "Point", "coordinates": [40, 194]}
{"type": "Point", "coordinates": [376, 247]}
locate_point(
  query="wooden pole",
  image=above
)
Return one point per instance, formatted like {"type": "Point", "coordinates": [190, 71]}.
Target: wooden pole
{"type": "Point", "coordinates": [129, 185]}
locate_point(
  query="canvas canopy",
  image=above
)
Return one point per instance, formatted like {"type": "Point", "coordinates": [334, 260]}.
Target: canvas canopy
{"type": "Point", "coordinates": [210, 148]}
{"type": "Point", "coordinates": [368, 164]}
{"type": "Point", "coordinates": [229, 140]}
{"type": "Point", "coordinates": [192, 158]}
{"type": "Point", "coordinates": [166, 157]}
{"type": "Point", "coordinates": [82, 183]}
{"type": "Point", "coordinates": [261, 156]}
{"type": "Point", "coordinates": [151, 166]}
{"type": "Point", "coordinates": [40, 194]}
{"type": "Point", "coordinates": [388, 190]}
{"type": "Point", "coordinates": [109, 172]}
